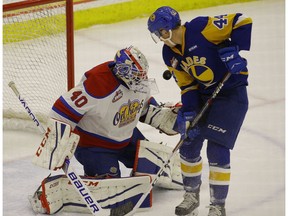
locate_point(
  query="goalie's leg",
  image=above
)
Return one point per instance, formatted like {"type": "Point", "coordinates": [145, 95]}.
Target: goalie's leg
{"type": "Point", "coordinates": [98, 161]}
{"type": "Point", "coordinates": [110, 193]}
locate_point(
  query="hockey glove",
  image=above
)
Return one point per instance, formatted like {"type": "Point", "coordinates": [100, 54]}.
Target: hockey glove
{"type": "Point", "coordinates": [182, 125]}
{"type": "Point", "coordinates": [163, 117]}
{"type": "Point", "coordinates": [59, 143]}
{"type": "Point", "coordinates": [231, 58]}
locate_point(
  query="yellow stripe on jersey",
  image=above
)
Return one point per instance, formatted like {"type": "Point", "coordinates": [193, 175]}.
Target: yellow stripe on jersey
{"type": "Point", "coordinates": [219, 176]}
{"type": "Point", "coordinates": [189, 89]}
{"type": "Point", "coordinates": [244, 73]}
{"type": "Point", "coordinates": [191, 169]}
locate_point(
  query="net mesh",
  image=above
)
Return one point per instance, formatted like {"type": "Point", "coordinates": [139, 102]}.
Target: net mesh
{"type": "Point", "coordinates": [35, 58]}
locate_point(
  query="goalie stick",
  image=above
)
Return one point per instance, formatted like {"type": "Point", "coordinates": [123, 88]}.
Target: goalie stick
{"type": "Point", "coordinates": [93, 206]}
{"type": "Point", "coordinates": [179, 144]}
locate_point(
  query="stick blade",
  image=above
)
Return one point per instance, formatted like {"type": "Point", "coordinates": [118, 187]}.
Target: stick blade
{"type": "Point", "coordinates": [122, 210]}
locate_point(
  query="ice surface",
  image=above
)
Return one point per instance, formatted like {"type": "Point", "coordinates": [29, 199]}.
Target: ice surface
{"type": "Point", "coordinates": [258, 160]}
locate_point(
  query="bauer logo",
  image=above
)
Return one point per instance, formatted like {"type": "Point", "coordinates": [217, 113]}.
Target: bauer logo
{"type": "Point", "coordinates": [83, 192]}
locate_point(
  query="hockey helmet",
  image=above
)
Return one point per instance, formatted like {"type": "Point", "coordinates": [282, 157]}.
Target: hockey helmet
{"type": "Point", "coordinates": [163, 18]}
{"type": "Point", "coordinates": [131, 66]}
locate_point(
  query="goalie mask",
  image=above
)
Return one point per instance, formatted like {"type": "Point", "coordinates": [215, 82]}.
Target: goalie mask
{"type": "Point", "coordinates": [131, 67]}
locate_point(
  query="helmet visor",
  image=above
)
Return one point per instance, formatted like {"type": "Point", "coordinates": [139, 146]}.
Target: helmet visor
{"type": "Point", "coordinates": [155, 36]}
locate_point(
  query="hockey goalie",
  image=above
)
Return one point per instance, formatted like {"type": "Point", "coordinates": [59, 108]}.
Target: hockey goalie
{"type": "Point", "coordinates": [96, 122]}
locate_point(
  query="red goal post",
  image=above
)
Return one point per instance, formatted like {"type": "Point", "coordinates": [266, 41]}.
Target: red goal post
{"type": "Point", "coordinates": [38, 55]}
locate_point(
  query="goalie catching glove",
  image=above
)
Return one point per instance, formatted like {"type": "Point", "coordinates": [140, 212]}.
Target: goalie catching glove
{"type": "Point", "coordinates": [59, 143]}
{"type": "Point", "coordinates": [163, 117]}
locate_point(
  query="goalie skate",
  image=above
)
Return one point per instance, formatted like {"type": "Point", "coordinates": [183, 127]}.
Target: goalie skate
{"type": "Point", "coordinates": [189, 206]}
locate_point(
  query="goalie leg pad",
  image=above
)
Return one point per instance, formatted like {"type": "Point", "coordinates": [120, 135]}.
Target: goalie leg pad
{"type": "Point", "coordinates": [57, 193]}
{"type": "Point", "coordinates": [151, 158]}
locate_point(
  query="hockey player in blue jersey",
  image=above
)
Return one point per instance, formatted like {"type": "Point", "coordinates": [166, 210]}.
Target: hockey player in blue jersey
{"type": "Point", "coordinates": [198, 54]}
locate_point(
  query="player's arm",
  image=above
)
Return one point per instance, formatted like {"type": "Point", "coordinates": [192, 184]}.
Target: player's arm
{"type": "Point", "coordinates": [71, 106]}
{"type": "Point", "coordinates": [241, 32]}
{"type": "Point", "coordinates": [232, 33]}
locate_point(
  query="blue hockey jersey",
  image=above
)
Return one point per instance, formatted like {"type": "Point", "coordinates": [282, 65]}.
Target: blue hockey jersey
{"type": "Point", "coordinates": [196, 65]}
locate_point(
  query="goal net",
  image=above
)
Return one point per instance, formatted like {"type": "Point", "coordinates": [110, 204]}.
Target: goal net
{"type": "Point", "coordinates": [37, 56]}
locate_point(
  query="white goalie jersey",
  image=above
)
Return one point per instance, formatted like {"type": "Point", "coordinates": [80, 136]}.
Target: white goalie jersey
{"type": "Point", "coordinates": [98, 105]}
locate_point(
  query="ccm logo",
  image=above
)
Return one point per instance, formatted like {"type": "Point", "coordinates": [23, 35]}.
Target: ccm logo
{"type": "Point", "coordinates": [215, 128]}
{"type": "Point", "coordinates": [39, 150]}
{"type": "Point", "coordinates": [88, 183]}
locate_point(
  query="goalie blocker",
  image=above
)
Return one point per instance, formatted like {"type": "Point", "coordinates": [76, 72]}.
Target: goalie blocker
{"type": "Point", "coordinates": [56, 193]}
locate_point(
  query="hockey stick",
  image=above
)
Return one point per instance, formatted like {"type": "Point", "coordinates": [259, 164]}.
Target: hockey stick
{"type": "Point", "coordinates": [179, 144]}
{"type": "Point", "coordinates": [93, 206]}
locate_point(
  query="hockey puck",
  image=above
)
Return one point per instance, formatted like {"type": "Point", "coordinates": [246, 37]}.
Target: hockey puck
{"type": "Point", "coordinates": [167, 75]}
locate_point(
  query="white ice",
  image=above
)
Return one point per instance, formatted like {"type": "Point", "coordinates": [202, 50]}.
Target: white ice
{"type": "Point", "coordinates": [258, 160]}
